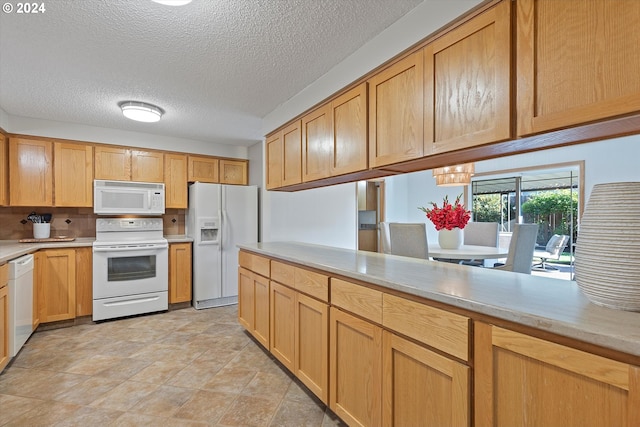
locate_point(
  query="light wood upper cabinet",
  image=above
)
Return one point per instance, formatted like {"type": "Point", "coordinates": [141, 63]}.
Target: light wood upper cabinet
{"type": "Point", "coordinates": [523, 380]}
{"type": "Point", "coordinates": [317, 144]}
{"type": "Point", "coordinates": [234, 172]}
{"type": "Point", "coordinates": [203, 169]}
{"type": "Point", "coordinates": [147, 166]}
{"type": "Point", "coordinates": [179, 272]}
{"type": "Point", "coordinates": [56, 276]}
{"type": "Point", "coordinates": [124, 164]}
{"type": "Point", "coordinates": [274, 161]}
{"type": "Point", "coordinates": [73, 174]}
{"type": "Point", "coordinates": [4, 171]}
{"type": "Point", "coordinates": [577, 61]}
{"type": "Point", "coordinates": [349, 117]}
{"type": "Point", "coordinates": [113, 163]}
{"type": "Point", "coordinates": [31, 172]}
{"type": "Point", "coordinates": [396, 111]}
{"type": "Point", "coordinates": [467, 83]}
{"type": "Point", "coordinates": [292, 154]}
{"type": "Point", "coordinates": [175, 181]}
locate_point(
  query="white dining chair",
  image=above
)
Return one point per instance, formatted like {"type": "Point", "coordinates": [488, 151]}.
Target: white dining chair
{"type": "Point", "coordinates": [408, 239]}
{"type": "Point", "coordinates": [480, 234]}
{"type": "Point", "coordinates": [521, 247]}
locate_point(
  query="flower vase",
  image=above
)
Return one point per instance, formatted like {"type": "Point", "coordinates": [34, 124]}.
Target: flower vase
{"type": "Point", "coordinates": [450, 239]}
{"type": "Point", "coordinates": [607, 258]}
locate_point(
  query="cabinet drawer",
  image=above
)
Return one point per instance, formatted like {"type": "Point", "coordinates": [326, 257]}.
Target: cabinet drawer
{"type": "Point", "coordinates": [310, 283]}
{"type": "Point", "coordinates": [4, 274]}
{"type": "Point", "coordinates": [255, 263]}
{"type": "Point", "coordinates": [357, 299]}
{"type": "Point", "coordinates": [282, 273]}
{"type": "Point", "coordinates": [434, 327]}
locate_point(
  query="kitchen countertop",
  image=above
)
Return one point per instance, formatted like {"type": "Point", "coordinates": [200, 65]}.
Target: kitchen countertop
{"type": "Point", "coordinates": [553, 305]}
{"type": "Point", "coordinates": [10, 249]}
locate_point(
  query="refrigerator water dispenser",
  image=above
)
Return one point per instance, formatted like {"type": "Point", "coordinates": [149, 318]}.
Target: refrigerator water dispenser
{"type": "Point", "coordinates": [209, 231]}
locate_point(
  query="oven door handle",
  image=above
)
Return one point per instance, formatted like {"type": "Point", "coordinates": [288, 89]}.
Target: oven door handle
{"type": "Point", "coordinates": [128, 248]}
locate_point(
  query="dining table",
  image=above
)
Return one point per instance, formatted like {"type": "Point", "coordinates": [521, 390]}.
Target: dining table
{"type": "Point", "coordinates": [467, 252]}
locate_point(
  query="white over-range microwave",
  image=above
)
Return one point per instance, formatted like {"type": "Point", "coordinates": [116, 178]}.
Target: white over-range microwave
{"type": "Point", "coordinates": [127, 198]}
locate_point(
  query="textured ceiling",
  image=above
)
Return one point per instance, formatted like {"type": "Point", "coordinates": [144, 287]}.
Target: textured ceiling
{"type": "Point", "coordinates": [215, 66]}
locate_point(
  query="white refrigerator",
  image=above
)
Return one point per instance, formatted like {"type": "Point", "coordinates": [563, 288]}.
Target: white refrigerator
{"type": "Point", "coordinates": [219, 217]}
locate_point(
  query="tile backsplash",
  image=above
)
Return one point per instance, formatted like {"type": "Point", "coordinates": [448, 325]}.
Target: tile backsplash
{"type": "Point", "coordinates": [76, 222]}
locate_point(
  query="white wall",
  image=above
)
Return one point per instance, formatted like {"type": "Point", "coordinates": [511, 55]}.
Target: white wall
{"type": "Point", "coordinates": [605, 161]}
{"type": "Point", "coordinates": [53, 129]}
{"type": "Point", "coordinates": [4, 119]}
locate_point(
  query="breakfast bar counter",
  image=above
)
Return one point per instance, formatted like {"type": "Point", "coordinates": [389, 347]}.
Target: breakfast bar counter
{"type": "Point", "coordinates": [550, 305]}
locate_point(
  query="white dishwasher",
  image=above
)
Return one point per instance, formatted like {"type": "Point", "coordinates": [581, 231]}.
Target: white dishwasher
{"type": "Point", "coordinates": [20, 302]}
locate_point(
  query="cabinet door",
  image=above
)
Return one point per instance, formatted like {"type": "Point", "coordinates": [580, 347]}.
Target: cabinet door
{"type": "Point", "coordinates": [349, 117]}
{"type": "Point", "coordinates": [577, 62]}
{"type": "Point", "coordinates": [58, 276]}
{"type": "Point", "coordinates": [312, 345]}
{"type": "Point", "coordinates": [4, 171]}
{"type": "Point", "coordinates": [472, 65]}
{"type": "Point", "coordinates": [396, 111]}
{"type": "Point", "coordinates": [355, 374]}
{"type": "Point", "coordinates": [281, 338]}
{"type": "Point", "coordinates": [246, 298]}
{"type": "Point", "coordinates": [203, 169]}
{"type": "Point", "coordinates": [147, 166]}
{"type": "Point", "coordinates": [175, 181]}
{"type": "Point", "coordinates": [38, 282]}
{"type": "Point", "coordinates": [84, 282]}
{"type": "Point", "coordinates": [234, 172]}
{"type": "Point", "coordinates": [261, 300]}
{"type": "Point", "coordinates": [112, 163]}
{"type": "Point", "coordinates": [422, 388]}
{"type": "Point", "coordinates": [317, 144]}
{"type": "Point", "coordinates": [274, 160]}
{"type": "Point", "coordinates": [522, 380]}
{"type": "Point", "coordinates": [292, 154]}
{"type": "Point", "coordinates": [4, 316]}
{"type": "Point", "coordinates": [179, 272]}
{"type": "Point", "coordinates": [73, 174]}
{"type": "Point", "coordinates": [31, 172]}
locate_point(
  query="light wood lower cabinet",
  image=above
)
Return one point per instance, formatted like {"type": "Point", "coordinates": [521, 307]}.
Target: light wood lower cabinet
{"type": "Point", "coordinates": [421, 387]}
{"type": "Point", "coordinates": [282, 320]}
{"type": "Point", "coordinates": [55, 275]}
{"type": "Point", "coordinates": [355, 373]}
{"type": "Point", "coordinates": [312, 345]}
{"type": "Point", "coordinates": [523, 380]}
{"type": "Point", "coordinates": [253, 304]}
{"type": "Point", "coordinates": [179, 272]}
{"type": "Point", "coordinates": [4, 316]}
{"type": "Point", "coordinates": [84, 281]}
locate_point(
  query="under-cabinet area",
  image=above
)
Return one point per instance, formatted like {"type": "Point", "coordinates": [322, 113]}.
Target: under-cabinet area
{"type": "Point", "coordinates": [385, 340]}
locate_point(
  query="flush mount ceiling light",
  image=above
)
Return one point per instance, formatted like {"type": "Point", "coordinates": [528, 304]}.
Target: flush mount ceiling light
{"type": "Point", "coordinates": [140, 111]}
{"type": "Point", "coordinates": [173, 2]}
{"type": "Point", "coordinates": [454, 175]}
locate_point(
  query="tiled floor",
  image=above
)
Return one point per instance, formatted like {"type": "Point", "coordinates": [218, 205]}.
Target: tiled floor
{"type": "Point", "coordinates": [181, 368]}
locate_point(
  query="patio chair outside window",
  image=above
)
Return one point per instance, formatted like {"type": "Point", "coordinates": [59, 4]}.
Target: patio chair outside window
{"type": "Point", "coordinates": [553, 250]}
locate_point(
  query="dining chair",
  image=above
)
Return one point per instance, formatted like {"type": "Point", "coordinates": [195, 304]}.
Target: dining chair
{"type": "Point", "coordinates": [384, 237]}
{"type": "Point", "coordinates": [521, 247]}
{"type": "Point", "coordinates": [408, 239]}
{"type": "Point", "coordinates": [552, 250]}
{"type": "Point", "coordinates": [480, 234]}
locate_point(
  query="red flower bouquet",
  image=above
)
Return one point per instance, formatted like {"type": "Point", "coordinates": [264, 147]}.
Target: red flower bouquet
{"type": "Point", "coordinates": [448, 216]}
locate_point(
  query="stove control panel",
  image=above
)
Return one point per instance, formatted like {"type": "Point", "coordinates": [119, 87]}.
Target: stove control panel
{"type": "Point", "coordinates": [128, 224]}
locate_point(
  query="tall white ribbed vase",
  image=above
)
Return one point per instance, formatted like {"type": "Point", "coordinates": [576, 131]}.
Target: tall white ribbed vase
{"type": "Point", "coordinates": [607, 260]}
{"type": "Point", "coordinates": [450, 239]}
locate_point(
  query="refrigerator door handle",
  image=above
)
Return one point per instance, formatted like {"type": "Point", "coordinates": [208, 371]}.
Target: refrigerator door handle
{"type": "Point", "coordinates": [221, 232]}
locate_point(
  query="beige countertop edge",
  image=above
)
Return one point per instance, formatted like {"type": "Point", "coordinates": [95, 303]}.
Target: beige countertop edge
{"type": "Point", "coordinates": [11, 249]}
{"type": "Point", "coordinates": [551, 305]}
